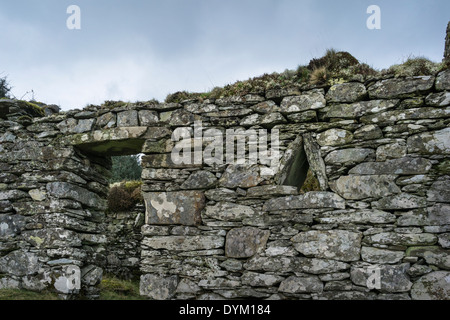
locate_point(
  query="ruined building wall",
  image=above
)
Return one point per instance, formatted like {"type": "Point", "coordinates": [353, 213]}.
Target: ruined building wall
{"type": "Point", "coordinates": [378, 229]}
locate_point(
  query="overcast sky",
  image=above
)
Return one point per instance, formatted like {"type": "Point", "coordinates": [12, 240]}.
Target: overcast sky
{"type": "Point", "coordinates": [143, 49]}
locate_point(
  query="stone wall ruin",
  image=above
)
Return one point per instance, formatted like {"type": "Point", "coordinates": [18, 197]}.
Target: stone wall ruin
{"type": "Point", "coordinates": [378, 229]}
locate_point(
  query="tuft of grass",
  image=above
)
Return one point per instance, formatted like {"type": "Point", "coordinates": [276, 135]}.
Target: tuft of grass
{"type": "Point", "coordinates": [20, 294]}
{"type": "Point", "coordinates": [319, 76]}
{"type": "Point", "coordinates": [113, 288]}
{"type": "Point", "coordinates": [414, 66]}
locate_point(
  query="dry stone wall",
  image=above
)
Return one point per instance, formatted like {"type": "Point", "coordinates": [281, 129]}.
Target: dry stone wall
{"type": "Point", "coordinates": [378, 228]}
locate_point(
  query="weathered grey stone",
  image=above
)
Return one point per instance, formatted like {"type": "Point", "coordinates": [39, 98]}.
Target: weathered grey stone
{"type": "Point", "coordinates": [346, 92]}
{"type": "Point", "coordinates": [227, 211]}
{"type": "Point", "coordinates": [359, 109]}
{"type": "Point", "coordinates": [334, 137]}
{"type": "Point", "coordinates": [443, 80]}
{"type": "Point", "coordinates": [402, 166]}
{"type": "Point", "coordinates": [400, 88]}
{"type": "Point", "coordinates": [185, 243]}
{"type": "Point", "coordinates": [391, 151]}
{"type": "Point", "coordinates": [260, 279]}
{"type": "Point", "coordinates": [440, 99]}
{"type": "Point", "coordinates": [433, 286]}
{"type": "Point", "coordinates": [330, 244]}
{"type": "Point", "coordinates": [13, 195]}
{"type": "Point", "coordinates": [67, 125]}
{"type": "Point", "coordinates": [128, 118]}
{"type": "Point", "coordinates": [148, 117]}
{"type": "Point", "coordinates": [181, 117]}
{"type": "Point", "coordinates": [83, 125]}
{"type": "Point", "coordinates": [232, 265]}
{"type": "Point", "coordinates": [406, 239]}
{"type": "Point", "coordinates": [188, 286]}
{"type": "Point", "coordinates": [302, 117]}
{"type": "Point", "coordinates": [436, 142]}
{"type": "Point", "coordinates": [349, 156]}
{"type": "Point", "coordinates": [376, 255]}
{"type": "Point", "coordinates": [51, 238]}
{"type": "Point", "coordinates": [439, 214]}
{"type": "Point", "coordinates": [334, 276]}
{"type": "Point", "coordinates": [294, 264]}
{"type": "Point", "coordinates": [183, 207]}
{"type": "Point", "coordinates": [355, 187]}
{"type": "Point", "coordinates": [91, 275]}
{"type": "Point", "coordinates": [158, 287]}
{"type": "Point", "coordinates": [391, 278]}
{"type": "Point", "coordinates": [313, 199]}
{"type": "Point", "coordinates": [364, 216]}
{"type": "Point", "coordinates": [201, 108]}
{"type": "Point", "coordinates": [416, 217]}
{"type": "Point", "coordinates": [310, 100]}
{"type": "Point", "coordinates": [218, 283]}
{"type": "Point", "coordinates": [271, 119]}
{"type": "Point", "coordinates": [265, 107]}
{"type": "Point", "coordinates": [107, 120]}
{"type": "Point", "coordinates": [441, 259]}
{"type": "Point", "coordinates": [19, 263]}
{"type": "Point", "coordinates": [391, 117]}
{"type": "Point", "coordinates": [245, 242]}
{"type": "Point", "coordinates": [37, 195]}
{"type": "Point", "coordinates": [347, 295]}
{"type": "Point", "coordinates": [199, 180]}
{"type": "Point", "coordinates": [65, 190]}
{"type": "Point", "coordinates": [11, 225]}
{"type": "Point", "coordinates": [269, 191]}
{"type": "Point", "coordinates": [400, 202]}
{"type": "Point", "coordinates": [295, 284]}
{"type": "Point", "coordinates": [221, 194]}
{"type": "Point", "coordinates": [439, 191]}
{"type": "Point", "coordinates": [242, 176]}
{"type": "Point", "coordinates": [419, 270]}
{"type": "Point", "coordinates": [315, 160]}
{"type": "Point", "coordinates": [444, 240]}
{"type": "Point", "coordinates": [251, 120]}
{"type": "Point", "coordinates": [368, 132]}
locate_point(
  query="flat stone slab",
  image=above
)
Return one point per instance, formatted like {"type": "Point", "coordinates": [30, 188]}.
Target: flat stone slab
{"type": "Point", "coordinates": [182, 208]}
{"type": "Point", "coordinates": [310, 200]}
{"type": "Point", "coordinates": [400, 88]}
{"type": "Point", "coordinates": [330, 244]}
{"type": "Point", "coordinates": [357, 187]}
{"type": "Point", "coordinates": [228, 211]}
{"type": "Point", "coordinates": [185, 243]}
{"type": "Point", "coordinates": [402, 166]}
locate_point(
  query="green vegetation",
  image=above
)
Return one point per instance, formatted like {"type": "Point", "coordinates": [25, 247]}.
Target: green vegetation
{"type": "Point", "coordinates": [4, 88]}
{"type": "Point", "coordinates": [311, 183]}
{"type": "Point", "coordinates": [415, 66]}
{"type": "Point", "coordinates": [113, 288]}
{"type": "Point", "coordinates": [125, 168]}
{"type": "Point", "coordinates": [17, 294]}
{"type": "Point", "coordinates": [332, 65]}
{"type": "Point", "coordinates": [124, 196]}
